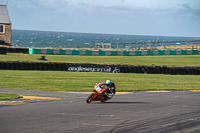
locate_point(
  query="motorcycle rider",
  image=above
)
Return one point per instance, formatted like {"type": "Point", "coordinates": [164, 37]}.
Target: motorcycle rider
{"type": "Point", "coordinates": [111, 87]}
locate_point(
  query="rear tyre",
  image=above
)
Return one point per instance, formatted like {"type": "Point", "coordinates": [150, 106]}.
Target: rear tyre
{"type": "Point", "coordinates": [103, 100]}
{"type": "Point", "coordinates": [89, 99]}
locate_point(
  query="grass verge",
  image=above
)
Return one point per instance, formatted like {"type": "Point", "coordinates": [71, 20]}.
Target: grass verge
{"type": "Point", "coordinates": [160, 60]}
{"type": "Point", "coordinates": [84, 81]}
{"type": "Point", "coordinates": [7, 96]}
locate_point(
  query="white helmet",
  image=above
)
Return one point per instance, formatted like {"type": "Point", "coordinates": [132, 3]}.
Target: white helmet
{"type": "Point", "coordinates": [108, 82]}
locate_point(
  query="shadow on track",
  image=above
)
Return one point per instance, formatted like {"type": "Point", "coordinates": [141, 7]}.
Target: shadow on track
{"type": "Point", "coordinates": [118, 102]}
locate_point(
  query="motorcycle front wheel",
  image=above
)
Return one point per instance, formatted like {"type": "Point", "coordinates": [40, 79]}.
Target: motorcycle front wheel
{"type": "Point", "coordinates": [89, 99]}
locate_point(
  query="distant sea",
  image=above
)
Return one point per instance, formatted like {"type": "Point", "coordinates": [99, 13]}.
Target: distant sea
{"type": "Point", "coordinates": [30, 38]}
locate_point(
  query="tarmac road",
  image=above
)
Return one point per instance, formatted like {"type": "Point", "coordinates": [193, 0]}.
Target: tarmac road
{"type": "Point", "coordinates": [175, 112]}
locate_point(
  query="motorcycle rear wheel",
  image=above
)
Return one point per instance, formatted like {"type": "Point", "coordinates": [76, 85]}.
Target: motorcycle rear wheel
{"type": "Point", "coordinates": [89, 99]}
{"type": "Point", "coordinates": [103, 100]}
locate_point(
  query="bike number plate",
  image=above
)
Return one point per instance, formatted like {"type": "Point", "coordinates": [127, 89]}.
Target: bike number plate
{"type": "Point", "coordinates": [98, 89]}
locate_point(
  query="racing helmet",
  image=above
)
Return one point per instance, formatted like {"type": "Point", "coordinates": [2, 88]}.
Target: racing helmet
{"type": "Point", "coordinates": [108, 83]}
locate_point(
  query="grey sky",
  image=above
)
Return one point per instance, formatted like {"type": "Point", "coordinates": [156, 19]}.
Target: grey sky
{"type": "Point", "coordinates": [135, 17]}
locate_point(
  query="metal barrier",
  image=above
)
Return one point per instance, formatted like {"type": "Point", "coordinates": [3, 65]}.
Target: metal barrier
{"type": "Point", "coordinates": [113, 53]}
{"type": "Point", "coordinates": [148, 45]}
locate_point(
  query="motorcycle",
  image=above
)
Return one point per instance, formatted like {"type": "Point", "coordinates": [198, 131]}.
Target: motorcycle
{"type": "Point", "coordinates": [98, 94]}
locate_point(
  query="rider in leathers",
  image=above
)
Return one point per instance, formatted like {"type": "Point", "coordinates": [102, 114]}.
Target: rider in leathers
{"type": "Point", "coordinates": [111, 87]}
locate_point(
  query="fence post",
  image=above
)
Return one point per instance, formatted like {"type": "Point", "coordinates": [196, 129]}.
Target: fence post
{"type": "Point", "coordinates": [193, 42]}
{"type": "Point", "coordinates": [168, 43]}
{"type": "Point", "coordinates": [117, 45]}
{"type": "Point", "coordinates": [199, 43]}
{"type": "Point", "coordinates": [130, 46]}
{"type": "Point", "coordinates": [193, 45]}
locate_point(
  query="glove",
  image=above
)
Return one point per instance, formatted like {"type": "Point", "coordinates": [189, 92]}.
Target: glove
{"type": "Point", "coordinates": [105, 93]}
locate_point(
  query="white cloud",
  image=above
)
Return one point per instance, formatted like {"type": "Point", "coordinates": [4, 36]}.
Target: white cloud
{"type": "Point", "coordinates": [51, 3]}
{"type": "Point", "coordinates": [111, 16]}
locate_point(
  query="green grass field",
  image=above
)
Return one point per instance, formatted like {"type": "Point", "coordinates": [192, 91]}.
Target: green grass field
{"type": "Point", "coordinates": [168, 60]}
{"type": "Point", "coordinates": [6, 96]}
{"type": "Point", "coordinates": [84, 81]}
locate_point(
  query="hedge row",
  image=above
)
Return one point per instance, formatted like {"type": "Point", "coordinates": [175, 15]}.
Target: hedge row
{"type": "Point", "coordinates": [17, 50]}
{"type": "Point", "coordinates": [4, 50]}
{"type": "Point", "coordinates": [49, 66]}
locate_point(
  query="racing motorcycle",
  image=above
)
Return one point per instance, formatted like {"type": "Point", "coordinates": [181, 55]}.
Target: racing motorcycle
{"type": "Point", "coordinates": [99, 92]}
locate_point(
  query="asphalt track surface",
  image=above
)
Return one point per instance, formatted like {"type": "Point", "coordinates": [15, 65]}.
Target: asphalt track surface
{"type": "Point", "coordinates": [141, 112]}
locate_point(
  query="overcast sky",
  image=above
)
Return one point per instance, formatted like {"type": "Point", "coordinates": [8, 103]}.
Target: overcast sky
{"type": "Point", "coordinates": [134, 17]}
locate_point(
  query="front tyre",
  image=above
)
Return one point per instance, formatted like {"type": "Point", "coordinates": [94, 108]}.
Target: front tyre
{"type": "Point", "coordinates": [90, 98]}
